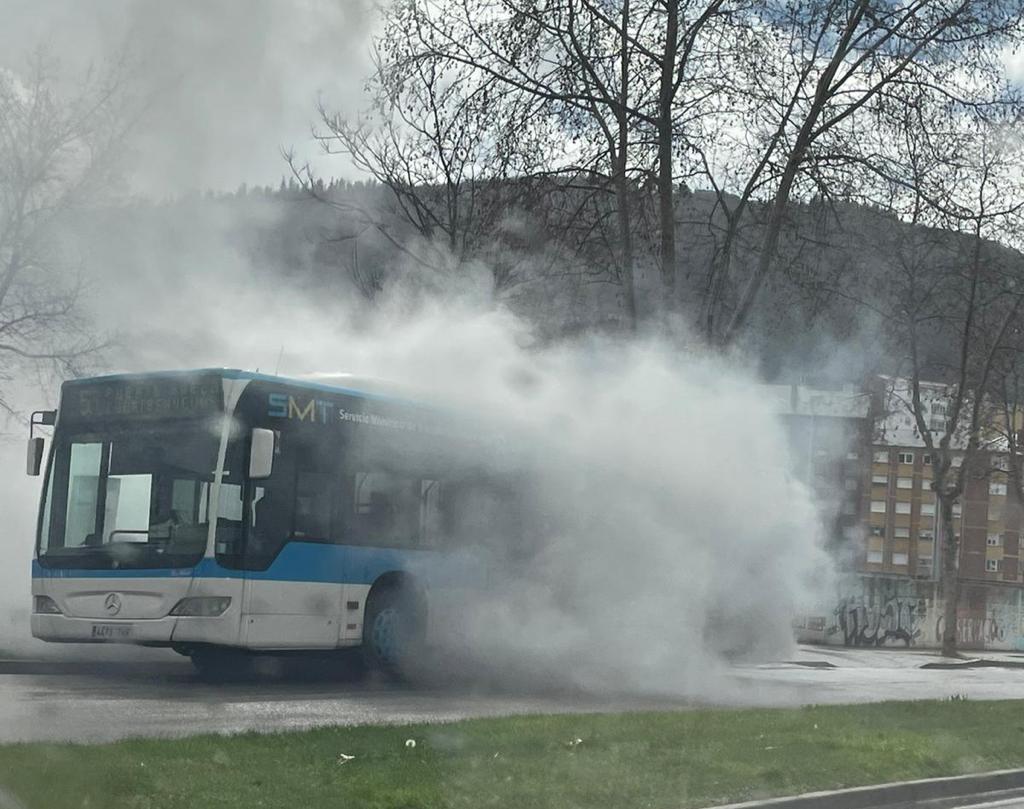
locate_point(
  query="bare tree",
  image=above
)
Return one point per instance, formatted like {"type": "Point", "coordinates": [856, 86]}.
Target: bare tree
{"type": "Point", "coordinates": [954, 299]}
{"type": "Point", "coordinates": [818, 94]}
{"type": "Point", "coordinates": [445, 145]}
{"type": "Point", "coordinates": [56, 151]}
{"type": "Point", "coordinates": [618, 80]}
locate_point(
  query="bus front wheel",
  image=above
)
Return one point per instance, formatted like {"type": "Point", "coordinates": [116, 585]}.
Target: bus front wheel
{"type": "Point", "coordinates": [392, 629]}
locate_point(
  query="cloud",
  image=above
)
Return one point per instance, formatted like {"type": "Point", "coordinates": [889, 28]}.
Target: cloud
{"type": "Point", "coordinates": [227, 84]}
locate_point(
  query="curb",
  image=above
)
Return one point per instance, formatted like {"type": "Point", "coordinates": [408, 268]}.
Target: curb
{"type": "Point", "coordinates": [975, 663]}
{"type": "Point", "coordinates": [8, 801]}
{"type": "Point", "coordinates": [900, 792]}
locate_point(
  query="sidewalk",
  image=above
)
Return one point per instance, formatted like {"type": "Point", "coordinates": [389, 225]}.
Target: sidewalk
{"type": "Point", "coordinates": [814, 656]}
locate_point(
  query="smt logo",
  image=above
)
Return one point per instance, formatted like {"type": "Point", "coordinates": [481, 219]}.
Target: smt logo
{"type": "Point", "coordinates": [286, 406]}
{"type": "Point", "coordinates": [112, 603]}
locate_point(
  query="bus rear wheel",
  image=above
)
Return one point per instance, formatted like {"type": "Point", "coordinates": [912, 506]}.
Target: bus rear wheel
{"type": "Point", "coordinates": [392, 630]}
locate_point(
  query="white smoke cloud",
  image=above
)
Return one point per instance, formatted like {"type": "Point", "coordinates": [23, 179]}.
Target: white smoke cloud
{"type": "Point", "coordinates": [17, 499]}
{"type": "Point", "coordinates": [675, 531]}
{"type": "Point", "coordinates": [226, 85]}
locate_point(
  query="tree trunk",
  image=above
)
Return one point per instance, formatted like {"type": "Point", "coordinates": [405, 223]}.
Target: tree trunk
{"type": "Point", "coordinates": [950, 577]}
{"type": "Point", "coordinates": [621, 179]}
{"type": "Point", "coordinates": [626, 235]}
{"type": "Point", "coordinates": [769, 246]}
{"type": "Point", "coordinates": [666, 187]}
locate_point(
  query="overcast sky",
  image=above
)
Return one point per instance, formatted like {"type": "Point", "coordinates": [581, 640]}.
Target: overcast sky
{"type": "Point", "coordinates": [231, 82]}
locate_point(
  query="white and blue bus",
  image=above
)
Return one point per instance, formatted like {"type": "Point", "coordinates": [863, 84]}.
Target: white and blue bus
{"type": "Point", "coordinates": [222, 512]}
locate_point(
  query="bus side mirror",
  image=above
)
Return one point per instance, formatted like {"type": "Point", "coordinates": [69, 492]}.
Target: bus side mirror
{"type": "Point", "coordinates": [34, 460]}
{"type": "Point", "coordinates": [261, 454]}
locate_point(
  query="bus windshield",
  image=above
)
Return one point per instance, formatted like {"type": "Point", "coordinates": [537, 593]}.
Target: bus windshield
{"type": "Point", "coordinates": [131, 497]}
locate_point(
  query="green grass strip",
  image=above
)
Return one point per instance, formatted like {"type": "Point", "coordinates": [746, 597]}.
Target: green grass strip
{"type": "Point", "coordinates": [671, 759]}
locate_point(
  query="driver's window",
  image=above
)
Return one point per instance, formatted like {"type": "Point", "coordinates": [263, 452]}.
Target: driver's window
{"type": "Point", "coordinates": [126, 515]}
{"type": "Point", "coordinates": [83, 494]}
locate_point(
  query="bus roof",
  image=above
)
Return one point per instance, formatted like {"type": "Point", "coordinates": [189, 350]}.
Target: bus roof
{"type": "Point", "coordinates": [364, 387]}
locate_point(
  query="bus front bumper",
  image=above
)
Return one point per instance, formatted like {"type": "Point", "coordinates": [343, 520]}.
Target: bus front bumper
{"type": "Point", "coordinates": [165, 631]}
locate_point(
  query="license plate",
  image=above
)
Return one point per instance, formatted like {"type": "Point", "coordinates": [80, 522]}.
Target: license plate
{"type": "Point", "coordinates": [111, 631]}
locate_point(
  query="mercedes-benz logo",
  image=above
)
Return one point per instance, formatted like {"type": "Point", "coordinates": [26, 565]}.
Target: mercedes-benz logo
{"type": "Point", "coordinates": [112, 603]}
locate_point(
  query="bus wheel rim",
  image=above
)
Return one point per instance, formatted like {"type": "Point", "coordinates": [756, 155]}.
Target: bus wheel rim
{"type": "Point", "coordinates": [385, 634]}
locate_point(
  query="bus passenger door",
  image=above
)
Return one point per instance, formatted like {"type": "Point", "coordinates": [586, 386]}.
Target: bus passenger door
{"type": "Point", "coordinates": [292, 597]}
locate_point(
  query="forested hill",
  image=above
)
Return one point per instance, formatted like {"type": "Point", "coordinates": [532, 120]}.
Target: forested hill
{"type": "Point", "coordinates": [546, 251]}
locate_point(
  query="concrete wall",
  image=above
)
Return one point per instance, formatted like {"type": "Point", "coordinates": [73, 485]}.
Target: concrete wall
{"type": "Point", "coordinates": [877, 611]}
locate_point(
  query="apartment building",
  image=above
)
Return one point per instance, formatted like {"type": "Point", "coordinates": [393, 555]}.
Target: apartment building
{"type": "Point", "coordinates": [888, 522]}
{"type": "Point", "coordinates": [829, 438]}
{"type": "Point", "coordinates": [861, 452]}
{"type": "Point", "coordinates": [902, 517]}
{"type": "Point", "coordinates": [900, 511]}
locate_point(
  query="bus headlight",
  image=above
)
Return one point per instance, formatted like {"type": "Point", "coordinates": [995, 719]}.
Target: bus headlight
{"type": "Point", "coordinates": [202, 606]}
{"type": "Point", "coordinates": [44, 605]}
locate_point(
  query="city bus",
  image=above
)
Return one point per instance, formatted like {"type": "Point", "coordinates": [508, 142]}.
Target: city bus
{"type": "Point", "coordinates": [224, 513]}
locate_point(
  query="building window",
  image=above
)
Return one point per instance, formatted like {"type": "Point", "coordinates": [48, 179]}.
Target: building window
{"type": "Point", "coordinates": [878, 506]}
{"type": "Point", "coordinates": [881, 456]}
{"type": "Point", "coordinates": [900, 559]}
{"type": "Point", "coordinates": [924, 563]}
{"type": "Point", "coordinates": [850, 508]}
{"type": "Point", "coordinates": [994, 540]}
{"type": "Point", "coordinates": [853, 456]}
{"type": "Point", "coordinates": [906, 457]}
{"type": "Point", "coordinates": [904, 483]}
{"type": "Point", "coordinates": [957, 460]}
{"type": "Point", "coordinates": [877, 531]}
{"type": "Point", "coordinates": [937, 425]}
{"type": "Point", "coordinates": [992, 565]}
{"type": "Point", "coordinates": [927, 509]}
{"type": "Point", "coordinates": [901, 533]}
{"type": "Point", "coordinates": [903, 508]}
{"type": "Point", "coordinates": [850, 484]}
{"type": "Point", "coordinates": [957, 509]}
{"type": "Point", "coordinates": [997, 488]}
{"type": "Point", "coordinates": [928, 536]}
{"type": "Point", "coordinates": [926, 459]}
{"type": "Point", "coordinates": [874, 557]}
{"type": "Point", "coordinates": [879, 480]}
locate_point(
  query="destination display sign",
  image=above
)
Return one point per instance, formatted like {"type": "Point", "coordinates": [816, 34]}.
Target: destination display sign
{"type": "Point", "coordinates": [148, 399]}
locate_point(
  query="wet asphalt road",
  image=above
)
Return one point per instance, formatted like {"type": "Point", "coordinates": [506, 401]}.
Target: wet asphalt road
{"type": "Point", "coordinates": [144, 693]}
{"type": "Point", "coordinates": [107, 701]}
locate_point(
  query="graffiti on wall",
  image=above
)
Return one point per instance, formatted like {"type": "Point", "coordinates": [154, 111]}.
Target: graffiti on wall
{"type": "Point", "coordinates": [976, 631]}
{"type": "Point", "coordinates": [888, 612]}
{"type": "Point", "coordinates": [896, 620]}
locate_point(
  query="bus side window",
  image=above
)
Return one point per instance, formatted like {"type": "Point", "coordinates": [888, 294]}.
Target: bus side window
{"type": "Point", "coordinates": [385, 509]}
{"type": "Point", "coordinates": [480, 513]}
{"type": "Point", "coordinates": [312, 506]}
{"type": "Point", "coordinates": [432, 516]}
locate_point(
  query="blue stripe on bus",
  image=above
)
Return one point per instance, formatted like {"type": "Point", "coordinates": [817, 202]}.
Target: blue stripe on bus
{"type": "Point", "coordinates": [40, 572]}
{"type": "Point", "coordinates": [297, 561]}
